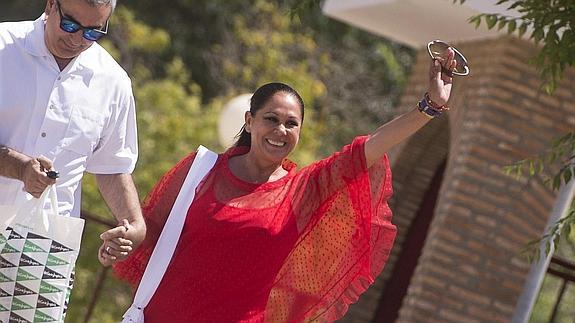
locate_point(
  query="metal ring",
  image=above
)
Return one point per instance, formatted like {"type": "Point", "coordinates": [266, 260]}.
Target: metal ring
{"type": "Point", "coordinates": [461, 68]}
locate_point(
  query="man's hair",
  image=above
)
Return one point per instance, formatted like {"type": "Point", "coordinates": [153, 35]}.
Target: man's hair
{"type": "Point", "coordinates": [102, 2]}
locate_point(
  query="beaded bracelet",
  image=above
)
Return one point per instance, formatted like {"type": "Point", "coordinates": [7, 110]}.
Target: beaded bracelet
{"type": "Point", "coordinates": [432, 104]}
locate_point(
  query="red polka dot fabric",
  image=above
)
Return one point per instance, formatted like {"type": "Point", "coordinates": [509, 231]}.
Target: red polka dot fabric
{"type": "Point", "coordinates": [298, 249]}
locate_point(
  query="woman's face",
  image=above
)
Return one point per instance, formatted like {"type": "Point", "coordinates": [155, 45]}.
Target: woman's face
{"type": "Point", "coordinates": [275, 128]}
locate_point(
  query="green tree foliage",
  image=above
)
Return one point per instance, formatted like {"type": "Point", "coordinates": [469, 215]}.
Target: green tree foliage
{"type": "Point", "coordinates": [356, 76]}
{"type": "Point", "coordinates": [551, 25]}
{"type": "Point", "coordinates": [188, 58]}
{"type": "Point", "coordinates": [364, 74]}
{"type": "Point", "coordinates": [562, 155]}
{"type": "Point", "coordinates": [260, 46]}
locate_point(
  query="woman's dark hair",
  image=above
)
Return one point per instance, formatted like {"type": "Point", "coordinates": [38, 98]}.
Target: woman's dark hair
{"type": "Point", "coordinates": [258, 100]}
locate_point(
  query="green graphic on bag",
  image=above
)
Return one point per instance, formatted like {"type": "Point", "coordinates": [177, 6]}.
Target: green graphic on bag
{"type": "Point", "coordinates": [42, 317]}
{"type": "Point", "coordinates": [9, 249]}
{"type": "Point", "coordinates": [55, 261]}
{"type": "Point", "coordinates": [4, 278]}
{"type": "Point", "coordinates": [46, 288]}
{"type": "Point", "coordinates": [32, 247]}
{"type": "Point", "coordinates": [18, 305]}
{"type": "Point", "coordinates": [24, 275]}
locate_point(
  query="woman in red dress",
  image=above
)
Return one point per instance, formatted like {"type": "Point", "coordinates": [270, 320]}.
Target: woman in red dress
{"type": "Point", "coordinates": [264, 242]}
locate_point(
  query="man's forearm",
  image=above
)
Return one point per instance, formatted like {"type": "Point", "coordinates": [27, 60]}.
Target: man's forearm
{"type": "Point", "coordinates": [12, 163]}
{"type": "Point", "coordinates": [119, 192]}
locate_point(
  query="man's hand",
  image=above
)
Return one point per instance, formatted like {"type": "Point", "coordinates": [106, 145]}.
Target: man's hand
{"type": "Point", "coordinates": [116, 245]}
{"type": "Point", "coordinates": [119, 192]}
{"type": "Point", "coordinates": [29, 170]}
{"type": "Point", "coordinates": [33, 175]}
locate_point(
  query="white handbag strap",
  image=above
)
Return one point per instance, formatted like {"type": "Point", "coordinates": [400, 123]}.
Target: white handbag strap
{"type": "Point", "coordinates": [162, 254]}
{"type": "Point", "coordinates": [34, 207]}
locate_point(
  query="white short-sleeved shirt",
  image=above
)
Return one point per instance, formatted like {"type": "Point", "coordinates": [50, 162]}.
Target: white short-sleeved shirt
{"type": "Point", "coordinates": [82, 118]}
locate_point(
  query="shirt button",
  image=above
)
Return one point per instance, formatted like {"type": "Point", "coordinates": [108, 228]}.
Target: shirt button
{"type": "Point", "coordinates": [43, 135]}
{"type": "Point", "coordinates": [52, 107]}
{"type": "Point", "coordinates": [59, 78]}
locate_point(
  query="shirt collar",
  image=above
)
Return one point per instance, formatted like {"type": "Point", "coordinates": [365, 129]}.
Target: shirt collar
{"type": "Point", "coordinates": [89, 58]}
{"type": "Point", "coordinates": [36, 45]}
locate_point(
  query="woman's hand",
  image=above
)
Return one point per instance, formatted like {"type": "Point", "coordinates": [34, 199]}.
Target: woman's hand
{"type": "Point", "coordinates": [116, 246]}
{"type": "Point", "coordinates": [105, 259]}
{"type": "Point", "coordinates": [441, 79]}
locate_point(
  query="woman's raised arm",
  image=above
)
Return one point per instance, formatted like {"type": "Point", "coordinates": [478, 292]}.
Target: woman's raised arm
{"type": "Point", "coordinates": [400, 128]}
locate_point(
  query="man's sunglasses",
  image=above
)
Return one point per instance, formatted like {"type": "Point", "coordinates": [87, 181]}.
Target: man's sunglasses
{"type": "Point", "coordinates": [70, 26]}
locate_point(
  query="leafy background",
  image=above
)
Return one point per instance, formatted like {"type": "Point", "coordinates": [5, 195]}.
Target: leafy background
{"type": "Point", "coordinates": [188, 58]}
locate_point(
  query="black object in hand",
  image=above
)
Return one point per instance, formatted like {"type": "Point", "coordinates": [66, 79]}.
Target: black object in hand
{"type": "Point", "coordinates": [52, 174]}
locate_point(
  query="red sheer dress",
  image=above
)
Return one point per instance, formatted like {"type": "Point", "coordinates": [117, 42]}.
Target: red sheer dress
{"type": "Point", "coordinates": [301, 248]}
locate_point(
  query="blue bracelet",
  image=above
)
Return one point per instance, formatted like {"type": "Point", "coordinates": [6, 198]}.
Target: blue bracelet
{"type": "Point", "coordinates": [428, 110]}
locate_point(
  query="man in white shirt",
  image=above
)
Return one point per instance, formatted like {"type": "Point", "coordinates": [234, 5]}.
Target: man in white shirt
{"type": "Point", "coordinates": [66, 105]}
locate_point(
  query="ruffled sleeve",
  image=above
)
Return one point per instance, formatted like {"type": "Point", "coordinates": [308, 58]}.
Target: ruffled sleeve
{"type": "Point", "coordinates": [345, 237]}
{"type": "Point", "coordinates": [156, 208]}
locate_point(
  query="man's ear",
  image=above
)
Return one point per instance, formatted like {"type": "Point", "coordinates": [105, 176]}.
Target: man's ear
{"type": "Point", "coordinates": [49, 5]}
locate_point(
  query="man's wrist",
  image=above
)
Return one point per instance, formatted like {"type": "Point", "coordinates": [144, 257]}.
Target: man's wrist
{"type": "Point", "coordinates": [136, 232]}
{"type": "Point", "coordinates": [13, 163]}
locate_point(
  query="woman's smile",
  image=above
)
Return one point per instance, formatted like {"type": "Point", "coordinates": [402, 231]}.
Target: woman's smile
{"type": "Point", "coordinates": [276, 143]}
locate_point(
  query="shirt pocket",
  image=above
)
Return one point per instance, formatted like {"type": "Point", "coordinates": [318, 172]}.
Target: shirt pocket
{"type": "Point", "coordinates": [84, 131]}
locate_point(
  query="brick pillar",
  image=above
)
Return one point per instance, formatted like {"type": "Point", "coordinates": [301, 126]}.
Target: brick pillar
{"type": "Point", "coordinates": [471, 269]}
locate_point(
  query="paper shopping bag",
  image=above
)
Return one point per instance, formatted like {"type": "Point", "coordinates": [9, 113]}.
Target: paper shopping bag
{"type": "Point", "coordinates": [38, 251]}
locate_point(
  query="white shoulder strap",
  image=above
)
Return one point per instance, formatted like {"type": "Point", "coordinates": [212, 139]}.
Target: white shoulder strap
{"type": "Point", "coordinates": [162, 254]}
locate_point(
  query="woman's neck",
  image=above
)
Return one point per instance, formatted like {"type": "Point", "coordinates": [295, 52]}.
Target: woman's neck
{"type": "Point", "coordinates": [247, 168]}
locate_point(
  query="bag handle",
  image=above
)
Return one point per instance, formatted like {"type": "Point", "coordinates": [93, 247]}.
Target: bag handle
{"type": "Point", "coordinates": [53, 203]}
{"type": "Point", "coordinates": [160, 259]}
{"type": "Point", "coordinates": [35, 207]}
